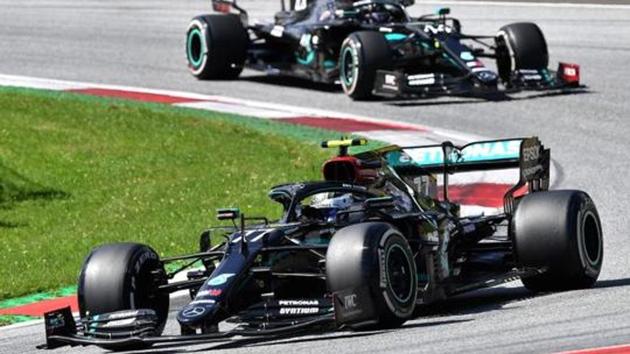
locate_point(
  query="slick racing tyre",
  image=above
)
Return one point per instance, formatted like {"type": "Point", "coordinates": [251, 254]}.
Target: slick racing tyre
{"type": "Point", "coordinates": [520, 46]}
{"type": "Point", "coordinates": [123, 276]}
{"type": "Point", "coordinates": [216, 46]}
{"type": "Point", "coordinates": [361, 55]}
{"type": "Point", "coordinates": [560, 231]}
{"type": "Point", "coordinates": [371, 272]}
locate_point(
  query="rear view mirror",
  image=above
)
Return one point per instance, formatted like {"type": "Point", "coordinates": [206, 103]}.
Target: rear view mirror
{"type": "Point", "coordinates": [443, 11]}
{"type": "Point", "coordinates": [228, 214]}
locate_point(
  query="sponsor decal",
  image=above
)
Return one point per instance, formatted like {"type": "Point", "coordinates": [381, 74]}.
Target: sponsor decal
{"type": "Point", "coordinates": [220, 279]}
{"type": "Point", "coordinates": [432, 237]}
{"type": "Point", "coordinates": [439, 29]}
{"type": "Point", "coordinates": [469, 228]}
{"type": "Point", "coordinates": [193, 311]}
{"type": "Point", "coordinates": [350, 302]}
{"type": "Point", "coordinates": [210, 292]}
{"type": "Point", "coordinates": [421, 79]}
{"type": "Point", "coordinates": [118, 323]}
{"type": "Point", "coordinates": [300, 5]}
{"type": "Point", "coordinates": [55, 322]}
{"type": "Point", "coordinates": [530, 173]}
{"type": "Point", "coordinates": [474, 64]}
{"type": "Point", "coordinates": [569, 73]}
{"type": "Point", "coordinates": [298, 310]}
{"type": "Point", "coordinates": [298, 302]}
{"type": "Point", "coordinates": [353, 304]}
{"type": "Point", "coordinates": [203, 301]}
{"type": "Point", "coordinates": [277, 31]}
{"type": "Point", "coordinates": [118, 315]}
{"type": "Point", "coordinates": [394, 37]}
{"type": "Point", "coordinates": [466, 56]}
{"type": "Point", "coordinates": [215, 292]}
{"type": "Point", "coordinates": [531, 153]}
{"type": "Point", "coordinates": [484, 74]}
{"type": "Point", "coordinates": [305, 41]}
{"type": "Point", "coordinates": [530, 159]}
{"type": "Point", "coordinates": [390, 80]}
{"type": "Point", "coordinates": [497, 150]}
{"type": "Point", "coordinates": [251, 235]}
{"type": "Point", "coordinates": [529, 75]}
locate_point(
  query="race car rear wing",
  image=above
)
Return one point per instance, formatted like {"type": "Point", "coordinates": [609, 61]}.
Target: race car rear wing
{"type": "Point", "coordinates": [526, 154]}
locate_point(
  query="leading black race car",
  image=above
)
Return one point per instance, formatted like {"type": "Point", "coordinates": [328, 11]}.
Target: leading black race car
{"type": "Point", "coordinates": [360, 249]}
{"type": "Point", "coordinates": [372, 47]}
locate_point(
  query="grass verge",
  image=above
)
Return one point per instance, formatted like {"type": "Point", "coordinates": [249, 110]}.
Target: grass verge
{"type": "Point", "coordinates": [78, 171]}
{"type": "Point", "coordinates": [11, 319]}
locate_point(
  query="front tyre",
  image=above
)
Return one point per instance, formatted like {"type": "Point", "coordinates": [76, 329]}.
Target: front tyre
{"type": "Point", "coordinates": [559, 230]}
{"type": "Point", "coordinates": [361, 55]}
{"type": "Point", "coordinates": [520, 46]}
{"type": "Point", "coordinates": [122, 276]}
{"type": "Point", "coordinates": [216, 46]}
{"type": "Point", "coordinates": [371, 271]}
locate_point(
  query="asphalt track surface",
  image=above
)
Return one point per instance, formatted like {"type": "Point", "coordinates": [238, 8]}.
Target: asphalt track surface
{"type": "Point", "coordinates": [141, 43]}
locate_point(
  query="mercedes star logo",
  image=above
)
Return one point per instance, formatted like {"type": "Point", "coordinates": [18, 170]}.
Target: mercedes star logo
{"type": "Point", "coordinates": [193, 311]}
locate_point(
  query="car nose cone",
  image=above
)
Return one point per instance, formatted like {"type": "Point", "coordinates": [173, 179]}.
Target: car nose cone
{"type": "Point", "coordinates": [195, 313]}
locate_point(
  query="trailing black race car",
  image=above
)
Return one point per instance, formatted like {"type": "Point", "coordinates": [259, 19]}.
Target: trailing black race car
{"type": "Point", "coordinates": [360, 249]}
{"type": "Point", "coordinates": [372, 47]}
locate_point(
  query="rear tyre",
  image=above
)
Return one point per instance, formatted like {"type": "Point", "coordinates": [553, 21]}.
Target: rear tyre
{"type": "Point", "coordinates": [373, 262]}
{"type": "Point", "coordinates": [122, 276]}
{"type": "Point", "coordinates": [520, 46]}
{"type": "Point", "coordinates": [361, 54]}
{"type": "Point", "coordinates": [559, 230]}
{"type": "Point", "coordinates": [216, 46]}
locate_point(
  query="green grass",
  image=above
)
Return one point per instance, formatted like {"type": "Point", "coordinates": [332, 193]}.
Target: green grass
{"type": "Point", "coordinates": [6, 320]}
{"type": "Point", "coordinates": [10, 319]}
{"type": "Point", "coordinates": [77, 171]}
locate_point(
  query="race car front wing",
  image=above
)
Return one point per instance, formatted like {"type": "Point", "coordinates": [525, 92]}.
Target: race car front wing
{"type": "Point", "coordinates": [389, 83]}
{"type": "Point", "coordinates": [62, 330]}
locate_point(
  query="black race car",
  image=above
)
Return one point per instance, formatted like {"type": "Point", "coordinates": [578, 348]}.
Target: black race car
{"type": "Point", "coordinates": [372, 47]}
{"type": "Point", "coordinates": [360, 249]}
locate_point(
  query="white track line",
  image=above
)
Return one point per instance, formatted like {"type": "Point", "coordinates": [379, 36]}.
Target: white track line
{"type": "Point", "coordinates": [527, 4]}
{"type": "Point", "coordinates": [231, 104]}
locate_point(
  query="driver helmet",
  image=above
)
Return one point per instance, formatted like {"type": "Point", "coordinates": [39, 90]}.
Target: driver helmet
{"type": "Point", "coordinates": [341, 202]}
{"type": "Point", "coordinates": [333, 205]}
